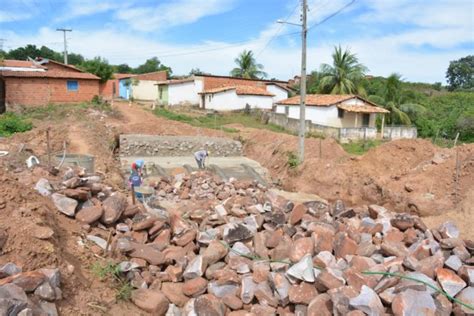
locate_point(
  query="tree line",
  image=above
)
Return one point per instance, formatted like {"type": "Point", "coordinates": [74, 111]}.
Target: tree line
{"type": "Point", "coordinates": [98, 66]}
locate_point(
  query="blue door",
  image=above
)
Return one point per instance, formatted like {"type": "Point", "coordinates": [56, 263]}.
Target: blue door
{"type": "Point", "coordinates": [125, 88]}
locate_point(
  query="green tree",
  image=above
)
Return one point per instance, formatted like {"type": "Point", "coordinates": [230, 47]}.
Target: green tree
{"type": "Point", "coordinates": [247, 67]}
{"type": "Point", "coordinates": [74, 59]}
{"type": "Point", "coordinates": [344, 76]}
{"type": "Point", "coordinates": [152, 65]}
{"type": "Point", "coordinates": [397, 101]}
{"type": "Point", "coordinates": [123, 69]}
{"type": "Point", "coordinates": [22, 53]}
{"type": "Point", "coordinates": [99, 67]}
{"type": "Point", "coordinates": [460, 73]}
{"type": "Point", "coordinates": [197, 71]}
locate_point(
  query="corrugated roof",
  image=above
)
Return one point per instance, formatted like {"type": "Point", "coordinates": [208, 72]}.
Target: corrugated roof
{"type": "Point", "coordinates": [240, 90]}
{"type": "Point", "coordinates": [49, 74]}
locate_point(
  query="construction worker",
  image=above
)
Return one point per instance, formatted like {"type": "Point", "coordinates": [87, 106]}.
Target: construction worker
{"type": "Point", "coordinates": [200, 157]}
{"type": "Point", "coordinates": [135, 178]}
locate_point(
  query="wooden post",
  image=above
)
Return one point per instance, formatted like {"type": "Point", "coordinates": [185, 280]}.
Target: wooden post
{"type": "Point", "coordinates": [383, 122]}
{"type": "Point", "coordinates": [320, 147]}
{"type": "Point", "coordinates": [133, 195]}
{"type": "Point", "coordinates": [48, 144]}
{"type": "Point", "coordinates": [456, 139]}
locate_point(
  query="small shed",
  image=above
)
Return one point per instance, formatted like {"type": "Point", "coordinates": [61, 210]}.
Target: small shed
{"type": "Point", "coordinates": [231, 98]}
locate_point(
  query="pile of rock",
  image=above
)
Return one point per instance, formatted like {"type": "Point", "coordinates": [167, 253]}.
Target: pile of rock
{"type": "Point", "coordinates": [243, 250]}
{"type": "Point", "coordinates": [29, 293]}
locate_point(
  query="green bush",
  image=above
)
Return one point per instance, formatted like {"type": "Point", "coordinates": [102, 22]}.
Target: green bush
{"type": "Point", "coordinates": [11, 123]}
{"type": "Point", "coordinates": [293, 160]}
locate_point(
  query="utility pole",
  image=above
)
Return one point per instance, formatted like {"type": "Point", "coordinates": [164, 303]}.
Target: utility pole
{"type": "Point", "coordinates": [65, 42]}
{"type": "Point", "coordinates": [302, 132]}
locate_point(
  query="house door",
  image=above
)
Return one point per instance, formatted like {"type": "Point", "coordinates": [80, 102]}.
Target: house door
{"type": "Point", "coordinates": [365, 120]}
{"type": "Point", "coordinates": [2, 96]}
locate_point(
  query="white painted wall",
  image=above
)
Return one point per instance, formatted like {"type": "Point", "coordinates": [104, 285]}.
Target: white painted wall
{"type": "Point", "coordinates": [279, 92]}
{"type": "Point", "coordinates": [145, 90]}
{"type": "Point", "coordinates": [230, 101]}
{"type": "Point", "coordinates": [182, 93]}
{"type": "Point", "coordinates": [328, 116]}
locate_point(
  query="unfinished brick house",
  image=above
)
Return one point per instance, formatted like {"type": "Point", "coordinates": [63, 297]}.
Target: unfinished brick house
{"type": "Point", "coordinates": [42, 81]}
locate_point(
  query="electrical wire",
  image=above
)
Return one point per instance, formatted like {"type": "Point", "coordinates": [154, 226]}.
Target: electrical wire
{"type": "Point", "coordinates": [332, 14]}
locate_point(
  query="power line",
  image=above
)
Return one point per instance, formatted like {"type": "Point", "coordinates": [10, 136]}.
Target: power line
{"type": "Point", "coordinates": [277, 32]}
{"type": "Point", "coordinates": [332, 14]}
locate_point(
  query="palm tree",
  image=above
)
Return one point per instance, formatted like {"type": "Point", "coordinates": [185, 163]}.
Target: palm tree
{"type": "Point", "coordinates": [247, 67]}
{"type": "Point", "coordinates": [396, 101]}
{"type": "Point", "coordinates": [345, 76]}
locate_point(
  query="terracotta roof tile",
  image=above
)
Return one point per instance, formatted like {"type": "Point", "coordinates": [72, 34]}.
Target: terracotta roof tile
{"type": "Point", "coordinates": [49, 74]}
{"type": "Point", "coordinates": [20, 64]}
{"type": "Point", "coordinates": [362, 108]}
{"type": "Point", "coordinates": [240, 90]}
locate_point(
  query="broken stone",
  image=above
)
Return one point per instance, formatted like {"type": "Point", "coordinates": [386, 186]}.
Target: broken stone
{"type": "Point", "coordinates": [221, 290]}
{"type": "Point", "coordinates": [9, 269]}
{"type": "Point", "coordinates": [195, 268]}
{"type": "Point", "coordinates": [467, 297]}
{"type": "Point", "coordinates": [320, 305]}
{"type": "Point", "coordinates": [64, 204]}
{"type": "Point", "coordinates": [43, 187]}
{"type": "Point", "coordinates": [150, 301]}
{"type": "Point", "coordinates": [281, 286]}
{"type": "Point", "coordinates": [301, 247]}
{"type": "Point", "coordinates": [411, 302]}
{"type": "Point", "coordinates": [302, 293]}
{"type": "Point", "coordinates": [195, 287]}
{"type": "Point", "coordinates": [303, 270]}
{"type": "Point", "coordinates": [12, 299]}
{"type": "Point", "coordinates": [233, 302]}
{"type": "Point", "coordinates": [209, 305]}
{"type": "Point", "coordinates": [265, 296]}
{"type": "Point", "coordinates": [148, 253]}
{"type": "Point", "coordinates": [174, 293]}
{"type": "Point", "coordinates": [113, 207]}
{"type": "Point", "coordinates": [42, 232]}
{"type": "Point", "coordinates": [454, 263]}
{"type": "Point", "coordinates": [28, 281]}
{"type": "Point", "coordinates": [340, 299]}
{"type": "Point", "coordinates": [236, 232]}
{"type": "Point", "coordinates": [247, 291]}
{"type": "Point", "coordinates": [449, 230]}
{"type": "Point", "coordinates": [405, 284]}
{"type": "Point", "coordinates": [343, 245]}
{"type": "Point", "coordinates": [46, 292]}
{"type": "Point", "coordinates": [368, 302]}
{"type": "Point", "coordinates": [402, 221]}
{"type": "Point", "coordinates": [89, 215]}
{"type": "Point", "coordinates": [80, 194]}
{"type": "Point", "coordinates": [53, 276]}
{"type": "Point", "coordinates": [299, 210]}
{"type": "Point", "coordinates": [450, 282]}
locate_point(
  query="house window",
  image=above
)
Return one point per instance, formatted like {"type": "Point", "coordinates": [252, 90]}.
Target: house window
{"type": "Point", "coordinates": [340, 113]}
{"type": "Point", "coordinates": [365, 120]}
{"type": "Point", "coordinates": [72, 85]}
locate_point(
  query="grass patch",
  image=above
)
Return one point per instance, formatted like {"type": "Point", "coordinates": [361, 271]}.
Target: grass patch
{"type": "Point", "coordinates": [218, 120]}
{"type": "Point", "coordinates": [11, 123]}
{"type": "Point", "coordinates": [293, 160]}
{"type": "Point", "coordinates": [111, 272]}
{"type": "Point", "coordinates": [360, 148]}
{"type": "Point", "coordinates": [61, 111]}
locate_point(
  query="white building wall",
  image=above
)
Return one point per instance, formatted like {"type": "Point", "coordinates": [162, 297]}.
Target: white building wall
{"type": "Point", "coordinates": [279, 92]}
{"type": "Point", "coordinates": [317, 114]}
{"type": "Point", "coordinates": [182, 93]}
{"type": "Point", "coordinates": [230, 101]}
{"type": "Point", "coordinates": [145, 90]}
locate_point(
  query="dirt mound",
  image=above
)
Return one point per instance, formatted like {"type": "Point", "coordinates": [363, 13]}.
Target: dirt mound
{"type": "Point", "coordinates": [405, 175]}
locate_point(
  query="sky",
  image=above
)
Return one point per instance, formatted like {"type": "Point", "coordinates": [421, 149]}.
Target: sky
{"type": "Point", "coordinates": [415, 38]}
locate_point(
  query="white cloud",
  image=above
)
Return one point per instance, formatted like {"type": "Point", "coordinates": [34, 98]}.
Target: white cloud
{"type": "Point", "coordinates": [81, 8]}
{"type": "Point", "coordinates": [6, 16]}
{"type": "Point", "coordinates": [177, 12]}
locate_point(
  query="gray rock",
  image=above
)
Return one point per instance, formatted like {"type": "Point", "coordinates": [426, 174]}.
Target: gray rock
{"type": "Point", "coordinates": [53, 276]}
{"type": "Point", "coordinates": [303, 270]}
{"type": "Point", "coordinates": [405, 284]}
{"type": "Point", "coordinates": [113, 207]}
{"type": "Point", "coordinates": [280, 284]}
{"type": "Point", "coordinates": [413, 303]}
{"type": "Point", "coordinates": [9, 269]}
{"type": "Point", "coordinates": [247, 291]}
{"type": "Point", "coordinates": [12, 299]}
{"type": "Point", "coordinates": [64, 204]}
{"type": "Point", "coordinates": [25, 312]}
{"type": "Point", "coordinates": [102, 243]}
{"type": "Point", "coordinates": [221, 290]}
{"type": "Point", "coordinates": [449, 230]}
{"type": "Point", "coordinates": [467, 296]}
{"type": "Point", "coordinates": [49, 308]}
{"type": "Point", "coordinates": [236, 232]}
{"type": "Point", "coordinates": [454, 263]}
{"type": "Point", "coordinates": [368, 302]}
{"type": "Point", "coordinates": [43, 187]}
{"type": "Point", "coordinates": [195, 268]}
{"type": "Point", "coordinates": [46, 292]}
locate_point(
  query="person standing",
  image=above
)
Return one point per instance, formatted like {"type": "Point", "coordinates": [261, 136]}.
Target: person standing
{"type": "Point", "coordinates": [136, 173]}
{"type": "Point", "coordinates": [200, 157]}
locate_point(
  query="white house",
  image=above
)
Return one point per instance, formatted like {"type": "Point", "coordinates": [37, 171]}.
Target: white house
{"type": "Point", "coordinates": [340, 111]}
{"type": "Point", "coordinates": [231, 98]}
{"type": "Point", "coordinates": [190, 90]}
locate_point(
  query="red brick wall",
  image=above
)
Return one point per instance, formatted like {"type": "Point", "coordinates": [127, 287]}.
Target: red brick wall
{"type": "Point", "coordinates": [41, 91]}
{"type": "Point", "coordinates": [106, 89]}
{"type": "Point", "coordinates": [215, 82]}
